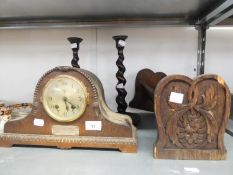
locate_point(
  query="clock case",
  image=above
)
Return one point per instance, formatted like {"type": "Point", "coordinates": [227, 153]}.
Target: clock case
{"type": "Point", "coordinates": [117, 130]}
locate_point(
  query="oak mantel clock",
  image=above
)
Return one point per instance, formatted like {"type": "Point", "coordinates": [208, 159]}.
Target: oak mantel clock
{"type": "Point", "coordinates": [69, 110]}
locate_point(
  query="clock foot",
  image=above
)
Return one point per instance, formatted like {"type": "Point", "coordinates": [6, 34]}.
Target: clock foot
{"type": "Point", "coordinates": [128, 149]}
{"type": "Point", "coordinates": [4, 144]}
{"type": "Point", "coordinates": [64, 147]}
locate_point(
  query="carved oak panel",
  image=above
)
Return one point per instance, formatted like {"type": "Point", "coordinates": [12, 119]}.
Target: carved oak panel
{"type": "Point", "coordinates": [191, 116]}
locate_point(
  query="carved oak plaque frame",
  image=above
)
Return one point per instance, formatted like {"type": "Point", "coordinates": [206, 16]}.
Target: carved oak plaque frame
{"type": "Point", "coordinates": [195, 127]}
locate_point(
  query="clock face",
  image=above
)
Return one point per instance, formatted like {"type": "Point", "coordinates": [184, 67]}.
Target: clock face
{"type": "Point", "coordinates": [64, 98]}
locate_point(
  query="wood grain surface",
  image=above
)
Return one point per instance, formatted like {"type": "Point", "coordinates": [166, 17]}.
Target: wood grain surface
{"type": "Point", "coordinates": [193, 129]}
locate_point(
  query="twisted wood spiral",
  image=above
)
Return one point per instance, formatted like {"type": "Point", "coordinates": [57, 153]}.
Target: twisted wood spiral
{"type": "Point", "coordinates": [120, 99]}
{"type": "Point", "coordinates": [75, 49]}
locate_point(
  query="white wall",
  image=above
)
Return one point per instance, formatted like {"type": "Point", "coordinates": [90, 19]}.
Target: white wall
{"type": "Point", "coordinates": [219, 53]}
{"type": "Point", "coordinates": [25, 55]}
{"type": "Point", "coordinates": [171, 50]}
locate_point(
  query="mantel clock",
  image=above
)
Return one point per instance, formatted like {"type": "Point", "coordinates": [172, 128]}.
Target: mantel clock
{"type": "Point", "coordinates": [69, 110]}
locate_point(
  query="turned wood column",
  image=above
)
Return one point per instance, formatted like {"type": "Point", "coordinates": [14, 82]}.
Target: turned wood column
{"type": "Point", "coordinates": [75, 42]}
{"type": "Point", "coordinates": [120, 99]}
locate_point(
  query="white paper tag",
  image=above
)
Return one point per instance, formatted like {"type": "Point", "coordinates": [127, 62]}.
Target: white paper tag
{"type": "Point", "coordinates": [38, 122]}
{"type": "Point", "coordinates": [190, 170]}
{"type": "Point", "coordinates": [176, 97]}
{"type": "Point", "coordinates": [93, 125]}
{"type": "Point", "coordinates": [121, 43]}
{"type": "Point", "coordinates": [74, 45]}
{"type": "Point", "coordinates": [120, 85]}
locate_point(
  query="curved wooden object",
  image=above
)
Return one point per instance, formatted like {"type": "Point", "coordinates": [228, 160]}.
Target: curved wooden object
{"type": "Point", "coordinates": [194, 128]}
{"type": "Point", "coordinates": [146, 82]}
{"type": "Point", "coordinates": [117, 130]}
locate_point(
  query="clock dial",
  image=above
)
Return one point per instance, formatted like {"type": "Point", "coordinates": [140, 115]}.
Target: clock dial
{"type": "Point", "coordinates": [64, 98]}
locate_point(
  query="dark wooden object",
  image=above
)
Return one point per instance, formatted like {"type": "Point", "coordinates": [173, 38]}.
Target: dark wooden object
{"type": "Point", "coordinates": [145, 84]}
{"type": "Point", "coordinates": [120, 99]}
{"type": "Point", "coordinates": [75, 42]}
{"type": "Point", "coordinates": [117, 130]}
{"type": "Point", "coordinates": [122, 93]}
{"type": "Point", "coordinates": [195, 128]}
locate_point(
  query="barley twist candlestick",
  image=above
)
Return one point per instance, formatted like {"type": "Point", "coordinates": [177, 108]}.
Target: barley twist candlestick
{"type": "Point", "coordinates": [120, 99]}
{"type": "Point", "coordinates": [75, 42]}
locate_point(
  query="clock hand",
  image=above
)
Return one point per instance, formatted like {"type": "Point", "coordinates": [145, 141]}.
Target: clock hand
{"type": "Point", "coordinates": [72, 105]}
{"type": "Point", "coordinates": [65, 101]}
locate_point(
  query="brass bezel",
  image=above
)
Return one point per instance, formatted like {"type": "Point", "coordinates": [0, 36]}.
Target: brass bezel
{"type": "Point", "coordinates": [45, 104]}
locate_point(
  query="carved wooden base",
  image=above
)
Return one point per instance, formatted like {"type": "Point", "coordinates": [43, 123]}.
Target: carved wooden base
{"type": "Point", "coordinates": [124, 144]}
{"type": "Point", "coordinates": [189, 154]}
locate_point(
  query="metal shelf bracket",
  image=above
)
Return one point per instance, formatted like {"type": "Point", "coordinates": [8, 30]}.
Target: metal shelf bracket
{"type": "Point", "coordinates": [201, 28]}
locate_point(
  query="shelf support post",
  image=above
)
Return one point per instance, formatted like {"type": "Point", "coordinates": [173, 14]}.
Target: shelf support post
{"type": "Point", "coordinates": [201, 48]}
